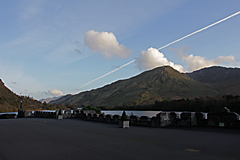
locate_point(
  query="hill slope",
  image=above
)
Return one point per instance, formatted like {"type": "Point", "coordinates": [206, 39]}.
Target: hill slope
{"type": "Point", "coordinates": [163, 83]}
{"type": "Point", "coordinates": [9, 101]}
{"type": "Point", "coordinates": [225, 80]}
{"type": "Point", "coordinates": [47, 100]}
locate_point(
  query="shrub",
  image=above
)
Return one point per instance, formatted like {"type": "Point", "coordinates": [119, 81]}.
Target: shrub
{"type": "Point", "coordinates": [98, 110]}
{"type": "Point", "coordinates": [124, 116]}
{"type": "Point", "coordinates": [60, 112]}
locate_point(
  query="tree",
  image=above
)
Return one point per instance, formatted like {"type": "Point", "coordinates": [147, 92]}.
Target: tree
{"type": "Point", "coordinates": [97, 110]}
{"type": "Point", "coordinates": [124, 116]}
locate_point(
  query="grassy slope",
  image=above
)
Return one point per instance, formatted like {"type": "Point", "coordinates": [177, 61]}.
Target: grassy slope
{"type": "Point", "coordinates": [9, 101]}
{"type": "Point", "coordinates": [162, 83]}
{"type": "Point", "coordinates": [224, 80]}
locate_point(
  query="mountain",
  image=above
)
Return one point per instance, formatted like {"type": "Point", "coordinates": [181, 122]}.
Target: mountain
{"type": "Point", "coordinates": [224, 80]}
{"type": "Point", "coordinates": [163, 83]}
{"type": "Point", "coordinates": [9, 101]}
{"type": "Point", "coordinates": [7, 98]}
{"type": "Point", "coordinates": [47, 100]}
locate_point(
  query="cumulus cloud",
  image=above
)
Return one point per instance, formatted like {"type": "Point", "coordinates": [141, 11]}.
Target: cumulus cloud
{"type": "Point", "coordinates": [198, 62]}
{"type": "Point", "coordinates": [106, 43]}
{"type": "Point", "coordinates": [152, 58]}
{"type": "Point", "coordinates": [54, 92]}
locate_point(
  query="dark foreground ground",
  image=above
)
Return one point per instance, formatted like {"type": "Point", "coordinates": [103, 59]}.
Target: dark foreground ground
{"type": "Point", "coordinates": [70, 139]}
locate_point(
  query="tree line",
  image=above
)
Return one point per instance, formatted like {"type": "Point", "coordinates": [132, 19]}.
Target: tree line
{"type": "Point", "coordinates": [203, 104]}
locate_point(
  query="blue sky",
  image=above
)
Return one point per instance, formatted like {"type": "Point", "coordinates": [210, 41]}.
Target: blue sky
{"type": "Point", "coordinates": [54, 47]}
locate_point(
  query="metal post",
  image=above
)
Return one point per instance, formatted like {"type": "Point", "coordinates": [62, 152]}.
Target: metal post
{"type": "Point", "coordinates": [21, 103]}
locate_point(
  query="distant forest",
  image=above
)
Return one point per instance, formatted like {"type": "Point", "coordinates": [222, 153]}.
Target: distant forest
{"type": "Point", "coordinates": [206, 104]}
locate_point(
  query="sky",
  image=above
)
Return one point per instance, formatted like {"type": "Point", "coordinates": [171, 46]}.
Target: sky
{"type": "Point", "coordinates": [51, 48]}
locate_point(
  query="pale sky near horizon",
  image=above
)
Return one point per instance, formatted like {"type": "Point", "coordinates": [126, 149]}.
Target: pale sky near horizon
{"type": "Point", "coordinates": [53, 47]}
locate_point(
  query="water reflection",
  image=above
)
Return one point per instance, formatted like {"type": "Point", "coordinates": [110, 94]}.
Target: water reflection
{"type": "Point", "coordinates": [136, 113]}
{"type": "Point", "coordinates": [9, 113]}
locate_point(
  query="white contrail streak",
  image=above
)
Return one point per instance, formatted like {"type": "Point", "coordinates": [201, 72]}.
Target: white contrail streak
{"type": "Point", "coordinates": [109, 73]}
{"type": "Point", "coordinates": [202, 29]}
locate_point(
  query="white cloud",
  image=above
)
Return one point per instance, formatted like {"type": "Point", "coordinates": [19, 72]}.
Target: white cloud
{"type": "Point", "coordinates": [55, 93]}
{"type": "Point", "coordinates": [152, 58]}
{"type": "Point", "coordinates": [106, 43]}
{"type": "Point", "coordinates": [228, 59]}
{"type": "Point", "coordinates": [198, 62]}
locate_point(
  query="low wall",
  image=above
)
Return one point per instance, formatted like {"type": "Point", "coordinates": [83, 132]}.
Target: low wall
{"type": "Point", "coordinates": [162, 119]}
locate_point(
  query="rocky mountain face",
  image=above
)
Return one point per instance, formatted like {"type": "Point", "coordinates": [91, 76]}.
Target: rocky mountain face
{"type": "Point", "coordinates": [163, 83]}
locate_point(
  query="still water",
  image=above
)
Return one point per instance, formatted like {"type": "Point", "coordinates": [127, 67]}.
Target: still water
{"type": "Point", "coordinates": [9, 113]}
{"type": "Point", "coordinates": [136, 113]}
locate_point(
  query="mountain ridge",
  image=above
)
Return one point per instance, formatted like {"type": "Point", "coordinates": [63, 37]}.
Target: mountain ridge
{"type": "Point", "coordinates": [10, 101]}
{"type": "Point", "coordinates": [47, 100]}
{"type": "Point", "coordinates": [225, 80]}
{"type": "Point", "coordinates": [162, 83]}
{"type": "Point", "coordinates": [156, 85]}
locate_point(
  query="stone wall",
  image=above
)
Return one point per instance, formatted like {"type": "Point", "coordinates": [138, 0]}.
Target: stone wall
{"type": "Point", "coordinates": [162, 119]}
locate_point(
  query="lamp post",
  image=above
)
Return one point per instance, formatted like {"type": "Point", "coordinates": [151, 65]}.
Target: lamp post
{"type": "Point", "coordinates": [21, 103]}
{"type": "Point", "coordinates": [20, 110]}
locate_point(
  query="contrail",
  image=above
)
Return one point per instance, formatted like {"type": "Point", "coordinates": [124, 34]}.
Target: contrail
{"type": "Point", "coordinates": [200, 30]}
{"type": "Point", "coordinates": [109, 73]}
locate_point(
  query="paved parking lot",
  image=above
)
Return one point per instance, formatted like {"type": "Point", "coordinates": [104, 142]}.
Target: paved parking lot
{"type": "Point", "coordinates": [70, 139]}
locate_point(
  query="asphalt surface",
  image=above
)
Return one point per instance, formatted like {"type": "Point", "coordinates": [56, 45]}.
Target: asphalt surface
{"type": "Point", "coordinates": [70, 139]}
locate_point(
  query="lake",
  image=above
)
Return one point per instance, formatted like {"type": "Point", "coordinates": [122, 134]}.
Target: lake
{"type": "Point", "coordinates": [136, 113]}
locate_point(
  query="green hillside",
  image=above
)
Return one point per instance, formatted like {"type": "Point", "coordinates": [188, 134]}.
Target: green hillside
{"type": "Point", "coordinates": [225, 80]}
{"type": "Point", "coordinates": [10, 102]}
{"type": "Point", "coordinates": [163, 83]}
